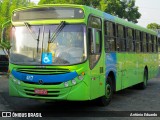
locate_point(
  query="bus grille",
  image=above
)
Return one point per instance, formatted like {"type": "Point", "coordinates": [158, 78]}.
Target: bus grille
{"type": "Point", "coordinates": [43, 71]}
{"type": "Point", "coordinates": [57, 83]}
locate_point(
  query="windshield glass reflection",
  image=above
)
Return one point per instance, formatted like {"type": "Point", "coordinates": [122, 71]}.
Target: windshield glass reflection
{"type": "Point", "coordinates": [69, 46]}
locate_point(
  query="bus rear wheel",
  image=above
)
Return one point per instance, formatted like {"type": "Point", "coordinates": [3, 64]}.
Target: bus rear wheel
{"type": "Point", "coordinates": [143, 85]}
{"type": "Point", "coordinates": [105, 100]}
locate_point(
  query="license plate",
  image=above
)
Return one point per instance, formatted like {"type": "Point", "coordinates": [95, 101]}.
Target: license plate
{"type": "Point", "coordinates": [41, 91]}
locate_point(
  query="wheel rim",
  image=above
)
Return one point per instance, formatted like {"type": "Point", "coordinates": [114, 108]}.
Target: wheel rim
{"type": "Point", "coordinates": [108, 91]}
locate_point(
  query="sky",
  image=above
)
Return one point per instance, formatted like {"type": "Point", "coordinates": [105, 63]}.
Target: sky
{"type": "Point", "coordinates": [149, 10]}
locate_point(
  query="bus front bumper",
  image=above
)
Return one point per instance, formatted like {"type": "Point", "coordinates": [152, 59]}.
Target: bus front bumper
{"type": "Point", "coordinates": [77, 92]}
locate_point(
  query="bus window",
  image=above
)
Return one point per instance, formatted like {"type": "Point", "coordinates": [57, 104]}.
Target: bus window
{"type": "Point", "coordinates": [94, 22]}
{"type": "Point", "coordinates": [144, 43]}
{"type": "Point", "coordinates": [98, 50]}
{"type": "Point", "coordinates": [110, 36]}
{"type": "Point", "coordinates": [129, 39]}
{"type": "Point", "coordinates": [134, 41]}
{"type": "Point", "coordinates": [124, 38]}
{"type": "Point", "coordinates": [121, 38]}
{"type": "Point", "coordinates": [141, 42]}
{"type": "Point", "coordinates": [137, 41]}
{"type": "Point", "coordinates": [149, 43]}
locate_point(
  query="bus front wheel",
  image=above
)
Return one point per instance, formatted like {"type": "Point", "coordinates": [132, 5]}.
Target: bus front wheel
{"type": "Point", "coordinates": [105, 100]}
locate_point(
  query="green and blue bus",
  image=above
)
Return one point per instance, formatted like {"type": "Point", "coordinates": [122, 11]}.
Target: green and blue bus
{"type": "Point", "coordinates": [77, 53]}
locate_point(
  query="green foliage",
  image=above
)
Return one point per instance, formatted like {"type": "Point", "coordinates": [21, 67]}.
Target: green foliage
{"type": "Point", "coordinates": [81, 2]}
{"type": "Point", "coordinates": [153, 26]}
{"type": "Point", "coordinates": [125, 9]}
{"type": "Point", "coordinates": [6, 8]}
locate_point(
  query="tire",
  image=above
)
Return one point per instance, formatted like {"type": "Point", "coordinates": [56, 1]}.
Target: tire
{"type": "Point", "coordinates": [143, 85]}
{"type": "Point", "coordinates": [105, 100]}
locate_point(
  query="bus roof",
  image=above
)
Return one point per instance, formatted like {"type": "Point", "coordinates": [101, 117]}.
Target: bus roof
{"type": "Point", "coordinates": [48, 5]}
{"type": "Point", "coordinates": [121, 21]}
{"type": "Point", "coordinates": [90, 10]}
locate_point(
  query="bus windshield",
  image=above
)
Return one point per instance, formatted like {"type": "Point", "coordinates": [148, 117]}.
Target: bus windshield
{"type": "Point", "coordinates": [69, 46]}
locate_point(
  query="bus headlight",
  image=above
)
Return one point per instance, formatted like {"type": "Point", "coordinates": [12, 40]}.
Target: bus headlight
{"type": "Point", "coordinates": [80, 77]}
{"type": "Point", "coordinates": [74, 82]}
{"type": "Point", "coordinates": [14, 80]}
{"type": "Point", "coordinates": [10, 76]}
{"type": "Point", "coordinates": [66, 84]}
{"type": "Point", "coordinates": [18, 82]}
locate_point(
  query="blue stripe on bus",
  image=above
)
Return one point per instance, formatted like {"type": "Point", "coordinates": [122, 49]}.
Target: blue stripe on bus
{"type": "Point", "coordinates": [46, 78]}
{"type": "Point", "coordinates": [111, 61]}
{"type": "Point", "coordinates": [108, 17]}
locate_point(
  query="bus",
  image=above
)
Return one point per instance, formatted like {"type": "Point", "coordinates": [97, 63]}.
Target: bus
{"type": "Point", "coordinates": [77, 53]}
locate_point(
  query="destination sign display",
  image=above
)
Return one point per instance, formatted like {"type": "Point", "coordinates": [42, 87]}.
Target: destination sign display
{"type": "Point", "coordinates": [48, 13]}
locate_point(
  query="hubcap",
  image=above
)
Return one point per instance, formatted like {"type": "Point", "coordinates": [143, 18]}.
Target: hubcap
{"type": "Point", "coordinates": [108, 91]}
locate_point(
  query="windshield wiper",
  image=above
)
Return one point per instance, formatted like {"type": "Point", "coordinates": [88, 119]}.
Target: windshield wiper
{"type": "Point", "coordinates": [38, 40]}
{"type": "Point", "coordinates": [33, 34]}
{"type": "Point", "coordinates": [57, 31]}
{"type": "Point", "coordinates": [30, 31]}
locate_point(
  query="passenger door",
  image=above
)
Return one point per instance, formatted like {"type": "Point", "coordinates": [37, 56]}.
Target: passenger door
{"type": "Point", "coordinates": [96, 61]}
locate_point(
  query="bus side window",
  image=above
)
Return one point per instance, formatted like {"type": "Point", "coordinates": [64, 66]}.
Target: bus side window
{"type": "Point", "coordinates": [144, 43]}
{"type": "Point", "coordinates": [147, 42]}
{"type": "Point", "coordinates": [141, 42]}
{"type": "Point", "coordinates": [137, 41]}
{"type": "Point", "coordinates": [124, 38]}
{"type": "Point", "coordinates": [134, 41]}
{"type": "Point", "coordinates": [110, 36]}
{"type": "Point", "coordinates": [129, 39]}
{"type": "Point", "coordinates": [120, 41]}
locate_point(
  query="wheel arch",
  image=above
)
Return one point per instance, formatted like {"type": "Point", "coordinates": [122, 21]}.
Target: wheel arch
{"type": "Point", "coordinates": [111, 74]}
{"type": "Point", "coordinates": [146, 69]}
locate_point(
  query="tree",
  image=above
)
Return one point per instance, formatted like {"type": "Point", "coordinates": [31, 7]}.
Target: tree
{"type": "Point", "coordinates": [81, 2]}
{"type": "Point", "coordinates": [153, 26]}
{"type": "Point", "coordinates": [125, 9]}
{"type": "Point", "coordinates": [6, 8]}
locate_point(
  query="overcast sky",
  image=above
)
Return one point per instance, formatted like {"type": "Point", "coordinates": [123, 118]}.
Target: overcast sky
{"type": "Point", "coordinates": [149, 9]}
